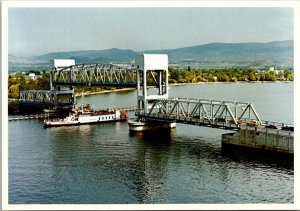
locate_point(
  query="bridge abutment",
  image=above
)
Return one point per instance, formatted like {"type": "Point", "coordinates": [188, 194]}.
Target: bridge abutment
{"type": "Point", "coordinates": [263, 139]}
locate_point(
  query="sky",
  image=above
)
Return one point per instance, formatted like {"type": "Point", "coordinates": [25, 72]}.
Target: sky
{"type": "Point", "coordinates": [36, 31]}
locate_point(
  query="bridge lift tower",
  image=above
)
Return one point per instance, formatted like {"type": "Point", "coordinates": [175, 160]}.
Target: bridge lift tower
{"type": "Point", "coordinates": [155, 68]}
{"type": "Point", "coordinates": [63, 95]}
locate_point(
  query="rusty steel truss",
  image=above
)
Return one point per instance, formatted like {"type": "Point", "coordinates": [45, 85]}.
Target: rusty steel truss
{"type": "Point", "coordinates": [212, 113]}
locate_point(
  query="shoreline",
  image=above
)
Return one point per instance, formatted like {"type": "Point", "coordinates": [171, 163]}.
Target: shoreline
{"type": "Point", "coordinates": [103, 92]}
{"type": "Point", "coordinates": [174, 84]}
{"type": "Point", "coordinates": [228, 82]}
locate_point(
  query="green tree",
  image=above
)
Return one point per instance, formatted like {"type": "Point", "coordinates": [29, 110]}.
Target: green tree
{"type": "Point", "coordinates": [43, 83]}
{"type": "Point", "coordinates": [290, 77]}
{"type": "Point", "coordinates": [182, 80]}
{"type": "Point", "coordinates": [210, 77]}
{"type": "Point", "coordinates": [270, 76]}
{"type": "Point", "coordinates": [13, 91]}
{"type": "Point", "coordinates": [252, 76]}
{"type": "Point", "coordinates": [286, 73]}
{"type": "Point", "coordinates": [280, 75]}
{"type": "Point", "coordinates": [174, 73]}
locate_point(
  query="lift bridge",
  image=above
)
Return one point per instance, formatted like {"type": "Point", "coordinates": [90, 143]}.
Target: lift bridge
{"type": "Point", "coordinates": [150, 71]}
{"type": "Point", "coordinates": [63, 78]}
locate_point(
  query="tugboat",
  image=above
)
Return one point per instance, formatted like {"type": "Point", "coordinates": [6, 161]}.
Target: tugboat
{"type": "Point", "coordinates": [86, 115]}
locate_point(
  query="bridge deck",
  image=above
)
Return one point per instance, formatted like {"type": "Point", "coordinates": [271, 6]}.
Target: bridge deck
{"type": "Point", "coordinates": [226, 125]}
{"type": "Point", "coordinates": [208, 113]}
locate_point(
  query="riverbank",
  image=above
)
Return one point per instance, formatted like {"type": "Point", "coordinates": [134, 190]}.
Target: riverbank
{"type": "Point", "coordinates": [231, 82]}
{"type": "Point", "coordinates": [173, 84]}
{"type": "Point", "coordinates": [103, 92]}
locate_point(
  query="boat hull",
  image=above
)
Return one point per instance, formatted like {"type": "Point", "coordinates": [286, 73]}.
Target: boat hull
{"type": "Point", "coordinates": [53, 124]}
{"type": "Point", "coordinates": [88, 118]}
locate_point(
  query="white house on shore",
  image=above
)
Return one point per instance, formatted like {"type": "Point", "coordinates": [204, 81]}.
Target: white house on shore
{"type": "Point", "coordinates": [32, 76]}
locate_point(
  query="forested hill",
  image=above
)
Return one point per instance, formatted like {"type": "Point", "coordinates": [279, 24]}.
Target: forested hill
{"type": "Point", "coordinates": [280, 50]}
{"type": "Point", "coordinates": [213, 55]}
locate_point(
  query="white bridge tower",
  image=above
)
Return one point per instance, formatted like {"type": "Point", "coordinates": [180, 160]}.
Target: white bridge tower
{"type": "Point", "coordinates": [151, 69]}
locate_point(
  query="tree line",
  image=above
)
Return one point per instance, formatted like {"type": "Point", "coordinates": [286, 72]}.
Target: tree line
{"type": "Point", "coordinates": [234, 75]}
{"type": "Point", "coordinates": [20, 81]}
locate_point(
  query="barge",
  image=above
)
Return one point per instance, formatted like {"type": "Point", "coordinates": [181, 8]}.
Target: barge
{"type": "Point", "coordinates": [87, 116]}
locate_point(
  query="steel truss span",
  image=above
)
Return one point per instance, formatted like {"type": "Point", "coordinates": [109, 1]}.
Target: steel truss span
{"type": "Point", "coordinates": [95, 75]}
{"type": "Point", "coordinates": [36, 96]}
{"type": "Point", "coordinates": [212, 113]}
{"type": "Point", "coordinates": [46, 97]}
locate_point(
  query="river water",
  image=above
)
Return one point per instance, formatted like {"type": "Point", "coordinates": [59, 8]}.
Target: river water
{"type": "Point", "coordinates": [104, 164]}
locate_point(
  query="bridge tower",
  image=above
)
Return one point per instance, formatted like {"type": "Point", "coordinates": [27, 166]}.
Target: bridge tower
{"type": "Point", "coordinates": [63, 96]}
{"type": "Point", "coordinates": [151, 68]}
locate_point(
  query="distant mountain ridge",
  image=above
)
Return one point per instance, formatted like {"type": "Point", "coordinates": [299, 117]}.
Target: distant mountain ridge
{"type": "Point", "coordinates": [280, 50]}
{"type": "Point", "coordinates": [208, 55]}
{"type": "Point", "coordinates": [86, 56]}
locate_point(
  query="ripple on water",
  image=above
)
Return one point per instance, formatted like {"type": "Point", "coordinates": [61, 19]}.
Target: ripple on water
{"type": "Point", "coordinates": [104, 164]}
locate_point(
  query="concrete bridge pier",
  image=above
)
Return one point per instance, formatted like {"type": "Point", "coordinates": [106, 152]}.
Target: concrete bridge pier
{"type": "Point", "coordinates": [139, 125]}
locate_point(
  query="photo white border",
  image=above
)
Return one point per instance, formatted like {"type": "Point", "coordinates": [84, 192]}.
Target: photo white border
{"type": "Point", "coordinates": [136, 4]}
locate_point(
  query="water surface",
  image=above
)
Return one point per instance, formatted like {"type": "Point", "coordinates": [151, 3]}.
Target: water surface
{"type": "Point", "coordinates": [105, 164]}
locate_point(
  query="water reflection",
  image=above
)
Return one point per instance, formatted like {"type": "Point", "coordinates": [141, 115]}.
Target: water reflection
{"type": "Point", "coordinates": [153, 162]}
{"type": "Point", "coordinates": [258, 157]}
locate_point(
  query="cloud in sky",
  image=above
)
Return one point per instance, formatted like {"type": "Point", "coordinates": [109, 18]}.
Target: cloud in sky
{"type": "Point", "coordinates": [35, 31]}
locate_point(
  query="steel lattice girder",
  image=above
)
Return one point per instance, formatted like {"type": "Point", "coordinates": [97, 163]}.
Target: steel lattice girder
{"type": "Point", "coordinates": [201, 110]}
{"type": "Point", "coordinates": [36, 96]}
{"type": "Point", "coordinates": [43, 97]}
{"type": "Point", "coordinates": [95, 75]}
